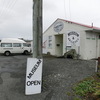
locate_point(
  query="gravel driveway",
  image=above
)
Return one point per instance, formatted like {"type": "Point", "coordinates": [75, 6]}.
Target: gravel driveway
{"type": "Point", "coordinates": [59, 75]}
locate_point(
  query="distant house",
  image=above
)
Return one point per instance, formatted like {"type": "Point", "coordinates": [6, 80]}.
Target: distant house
{"type": "Point", "coordinates": [64, 35]}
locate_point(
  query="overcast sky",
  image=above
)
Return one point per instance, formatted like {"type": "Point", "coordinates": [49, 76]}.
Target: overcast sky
{"type": "Point", "coordinates": [16, 15]}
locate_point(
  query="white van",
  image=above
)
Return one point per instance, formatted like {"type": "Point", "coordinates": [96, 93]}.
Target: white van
{"type": "Point", "coordinates": [13, 45]}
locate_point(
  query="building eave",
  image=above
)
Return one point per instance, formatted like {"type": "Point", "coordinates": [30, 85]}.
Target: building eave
{"type": "Point", "coordinates": [93, 30]}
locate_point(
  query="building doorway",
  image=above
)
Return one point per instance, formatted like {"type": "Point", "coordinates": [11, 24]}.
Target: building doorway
{"type": "Point", "coordinates": [59, 45]}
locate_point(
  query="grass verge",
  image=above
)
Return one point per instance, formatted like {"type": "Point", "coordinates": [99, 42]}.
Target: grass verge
{"type": "Point", "coordinates": [89, 88]}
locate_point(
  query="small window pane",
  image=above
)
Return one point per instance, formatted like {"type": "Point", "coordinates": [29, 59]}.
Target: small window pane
{"type": "Point", "coordinates": [68, 48]}
{"type": "Point", "coordinates": [25, 45]}
{"type": "Point", "coordinates": [16, 44]}
{"type": "Point", "coordinates": [50, 37]}
{"type": "Point", "coordinates": [6, 44]}
{"type": "Point", "coordinates": [50, 41]}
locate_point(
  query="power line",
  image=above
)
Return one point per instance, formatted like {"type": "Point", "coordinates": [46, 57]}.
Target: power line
{"type": "Point", "coordinates": [69, 10]}
{"type": "Point", "coordinates": [11, 5]}
{"type": "Point", "coordinates": [3, 8]}
{"type": "Point", "coordinates": [7, 6]}
{"type": "Point", "coordinates": [65, 11]}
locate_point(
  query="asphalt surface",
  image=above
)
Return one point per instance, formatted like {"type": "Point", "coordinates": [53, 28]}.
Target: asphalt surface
{"type": "Point", "coordinates": [59, 76]}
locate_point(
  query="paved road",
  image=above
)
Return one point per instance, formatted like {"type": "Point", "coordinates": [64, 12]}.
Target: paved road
{"type": "Point", "coordinates": [59, 75]}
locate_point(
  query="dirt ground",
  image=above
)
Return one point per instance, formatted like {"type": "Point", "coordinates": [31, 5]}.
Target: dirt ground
{"type": "Point", "coordinates": [59, 76]}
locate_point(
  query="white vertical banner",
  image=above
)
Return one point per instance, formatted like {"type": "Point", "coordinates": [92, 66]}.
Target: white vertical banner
{"type": "Point", "coordinates": [33, 76]}
{"type": "Point", "coordinates": [73, 38]}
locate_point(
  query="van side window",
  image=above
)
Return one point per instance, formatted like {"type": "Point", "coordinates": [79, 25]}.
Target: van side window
{"type": "Point", "coordinates": [6, 44]}
{"type": "Point", "coordinates": [25, 45]}
{"type": "Point", "coordinates": [16, 44]}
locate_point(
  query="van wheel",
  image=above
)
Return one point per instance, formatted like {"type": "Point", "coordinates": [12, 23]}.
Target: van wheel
{"type": "Point", "coordinates": [25, 52]}
{"type": "Point", "coordinates": [7, 53]}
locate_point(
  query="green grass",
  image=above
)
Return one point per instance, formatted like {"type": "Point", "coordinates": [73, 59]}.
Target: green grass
{"type": "Point", "coordinates": [77, 99]}
{"type": "Point", "coordinates": [84, 87]}
{"type": "Point", "coordinates": [89, 85]}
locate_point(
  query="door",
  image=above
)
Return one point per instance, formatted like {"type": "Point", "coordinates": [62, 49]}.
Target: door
{"type": "Point", "coordinates": [17, 48]}
{"type": "Point", "coordinates": [59, 45]}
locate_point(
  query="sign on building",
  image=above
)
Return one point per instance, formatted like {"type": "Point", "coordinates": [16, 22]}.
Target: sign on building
{"type": "Point", "coordinates": [73, 38]}
{"type": "Point", "coordinates": [33, 76]}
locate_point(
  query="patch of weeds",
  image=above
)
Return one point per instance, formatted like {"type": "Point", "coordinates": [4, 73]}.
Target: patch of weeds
{"type": "Point", "coordinates": [88, 88]}
{"type": "Point", "coordinates": [68, 93]}
{"type": "Point", "coordinates": [77, 99]}
{"type": "Point", "coordinates": [97, 93]}
{"type": "Point", "coordinates": [84, 87]}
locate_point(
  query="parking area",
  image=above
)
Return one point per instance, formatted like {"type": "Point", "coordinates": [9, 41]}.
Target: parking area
{"type": "Point", "coordinates": [59, 75]}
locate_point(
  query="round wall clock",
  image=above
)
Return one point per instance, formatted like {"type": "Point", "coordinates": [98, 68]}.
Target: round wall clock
{"type": "Point", "coordinates": [58, 26]}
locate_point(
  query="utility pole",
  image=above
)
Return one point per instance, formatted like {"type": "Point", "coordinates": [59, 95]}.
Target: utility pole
{"type": "Point", "coordinates": [36, 62]}
{"type": "Point", "coordinates": [37, 29]}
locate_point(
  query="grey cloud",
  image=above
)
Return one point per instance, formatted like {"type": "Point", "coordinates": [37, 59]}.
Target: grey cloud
{"type": "Point", "coordinates": [16, 18]}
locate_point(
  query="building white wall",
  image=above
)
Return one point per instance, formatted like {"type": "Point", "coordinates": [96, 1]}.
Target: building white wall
{"type": "Point", "coordinates": [80, 29]}
{"type": "Point", "coordinates": [92, 45]}
{"type": "Point", "coordinates": [46, 48]}
{"type": "Point", "coordinates": [98, 48]}
{"type": "Point", "coordinates": [87, 48]}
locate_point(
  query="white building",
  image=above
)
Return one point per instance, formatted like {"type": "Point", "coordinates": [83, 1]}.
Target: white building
{"type": "Point", "coordinates": [64, 35]}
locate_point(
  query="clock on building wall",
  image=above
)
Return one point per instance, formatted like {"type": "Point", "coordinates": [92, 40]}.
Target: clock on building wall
{"type": "Point", "coordinates": [58, 26]}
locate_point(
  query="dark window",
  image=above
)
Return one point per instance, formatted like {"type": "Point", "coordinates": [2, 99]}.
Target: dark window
{"type": "Point", "coordinates": [6, 44]}
{"type": "Point", "coordinates": [99, 36]}
{"type": "Point", "coordinates": [16, 44]}
{"type": "Point", "coordinates": [26, 45]}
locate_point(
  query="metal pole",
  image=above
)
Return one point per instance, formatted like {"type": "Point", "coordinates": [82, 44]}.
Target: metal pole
{"type": "Point", "coordinates": [37, 29]}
